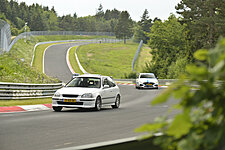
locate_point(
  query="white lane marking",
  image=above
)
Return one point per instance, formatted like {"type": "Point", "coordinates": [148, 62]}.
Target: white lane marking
{"type": "Point", "coordinates": [78, 62]}
{"type": "Point", "coordinates": [68, 60]}
{"type": "Point", "coordinates": [34, 107]}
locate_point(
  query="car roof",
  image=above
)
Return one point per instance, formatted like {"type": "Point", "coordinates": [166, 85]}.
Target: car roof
{"type": "Point", "coordinates": [147, 73]}
{"type": "Point", "coordinates": [91, 75]}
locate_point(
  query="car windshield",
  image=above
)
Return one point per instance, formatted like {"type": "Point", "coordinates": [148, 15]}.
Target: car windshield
{"type": "Point", "coordinates": [87, 82]}
{"type": "Point", "coordinates": [147, 76]}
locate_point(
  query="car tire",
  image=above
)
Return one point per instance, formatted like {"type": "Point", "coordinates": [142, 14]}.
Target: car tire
{"type": "Point", "coordinates": [117, 102]}
{"type": "Point", "coordinates": [98, 104]}
{"type": "Point", "coordinates": [57, 108]}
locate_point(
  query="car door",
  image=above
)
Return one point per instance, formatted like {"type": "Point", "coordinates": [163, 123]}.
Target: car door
{"type": "Point", "coordinates": [106, 92]}
{"type": "Point", "coordinates": [113, 91]}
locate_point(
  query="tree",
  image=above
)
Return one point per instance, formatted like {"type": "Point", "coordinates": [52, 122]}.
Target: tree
{"type": "Point", "coordinates": [201, 121]}
{"type": "Point", "coordinates": [100, 13]}
{"type": "Point", "coordinates": [124, 27]}
{"type": "Point", "coordinates": [112, 14]}
{"type": "Point", "coordinates": [145, 24]}
{"type": "Point", "coordinates": [168, 43]}
{"type": "Point", "coordinates": [139, 34]}
{"type": "Point", "coordinates": [204, 19]}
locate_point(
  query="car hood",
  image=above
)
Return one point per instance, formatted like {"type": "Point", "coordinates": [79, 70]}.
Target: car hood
{"type": "Point", "coordinates": [147, 80]}
{"type": "Point", "coordinates": [77, 90]}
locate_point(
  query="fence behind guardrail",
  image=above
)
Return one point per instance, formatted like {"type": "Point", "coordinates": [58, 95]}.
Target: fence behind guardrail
{"type": "Point", "coordinates": [5, 36]}
{"type": "Point", "coordinates": [38, 33]}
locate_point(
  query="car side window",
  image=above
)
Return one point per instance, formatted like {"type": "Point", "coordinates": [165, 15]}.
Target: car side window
{"type": "Point", "coordinates": [105, 81]}
{"type": "Point", "coordinates": [111, 83]}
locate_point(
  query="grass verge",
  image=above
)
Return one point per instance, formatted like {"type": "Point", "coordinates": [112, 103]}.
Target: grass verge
{"type": "Point", "coordinates": [112, 59]}
{"type": "Point", "coordinates": [4, 103]}
{"type": "Point", "coordinates": [73, 60]}
{"type": "Point", "coordinates": [15, 65]}
{"type": "Point", "coordinates": [143, 58]}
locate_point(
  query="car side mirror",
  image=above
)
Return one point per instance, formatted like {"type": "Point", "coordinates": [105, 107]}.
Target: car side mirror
{"type": "Point", "coordinates": [106, 86]}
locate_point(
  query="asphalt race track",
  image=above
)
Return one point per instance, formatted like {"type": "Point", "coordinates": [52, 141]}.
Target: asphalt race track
{"type": "Point", "coordinates": [46, 130]}
{"type": "Point", "coordinates": [55, 61]}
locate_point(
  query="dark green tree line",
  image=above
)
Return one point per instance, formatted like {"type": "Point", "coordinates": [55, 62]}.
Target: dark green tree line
{"type": "Point", "coordinates": [205, 21]}
{"type": "Point", "coordinates": [41, 18]}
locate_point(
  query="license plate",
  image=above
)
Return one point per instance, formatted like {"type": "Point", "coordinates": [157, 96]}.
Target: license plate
{"type": "Point", "coordinates": [69, 100]}
{"type": "Point", "coordinates": [149, 84]}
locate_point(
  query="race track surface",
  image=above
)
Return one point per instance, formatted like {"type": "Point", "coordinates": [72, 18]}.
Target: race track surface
{"type": "Point", "coordinates": [73, 127]}
{"type": "Point", "coordinates": [46, 130]}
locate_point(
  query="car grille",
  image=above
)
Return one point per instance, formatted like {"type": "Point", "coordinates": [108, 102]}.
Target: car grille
{"type": "Point", "coordinates": [145, 83]}
{"type": "Point", "coordinates": [70, 103]}
{"type": "Point", "coordinates": [70, 95]}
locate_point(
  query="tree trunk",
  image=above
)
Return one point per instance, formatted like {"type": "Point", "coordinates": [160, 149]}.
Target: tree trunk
{"type": "Point", "coordinates": [124, 40]}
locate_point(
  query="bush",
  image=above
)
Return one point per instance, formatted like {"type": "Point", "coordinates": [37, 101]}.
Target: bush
{"type": "Point", "coordinates": [200, 125]}
{"type": "Point", "coordinates": [177, 68]}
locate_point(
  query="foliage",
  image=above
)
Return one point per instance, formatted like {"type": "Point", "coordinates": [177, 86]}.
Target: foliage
{"type": "Point", "coordinates": [100, 13]}
{"type": "Point", "coordinates": [139, 34]}
{"type": "Point", "coordinates": [124, 26]}
{"type": "Point", "coordinates": [200, 123]}
{"type": "Point", "coordinates": [41, 18]}
{"type": "Point", "coordinates": [205, 21]}
{"type": "Point", "coordinates": [145, 25]}
{"type": "Point", "coordinates": [177, 68]}
{"type": "Point", "coordinates": [15, 65]}
{"type": "Point", "coordinates": [131, 75]}
{"type": "Point", "coordinates": [168, 43]}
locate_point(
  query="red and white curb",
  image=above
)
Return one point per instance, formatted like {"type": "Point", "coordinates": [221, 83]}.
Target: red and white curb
{"type": "Point", "coordinates": [132, 84]}
{"type": "Point", "coordinates": [25, 108]}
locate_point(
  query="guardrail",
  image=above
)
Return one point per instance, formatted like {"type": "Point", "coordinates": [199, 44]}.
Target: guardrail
{"type": "Point", "coordinates": [161, 81]}
{"type": "Point", "coordinates": [136, 54]}
{"type": "Point", "coordinates": [27, 91]}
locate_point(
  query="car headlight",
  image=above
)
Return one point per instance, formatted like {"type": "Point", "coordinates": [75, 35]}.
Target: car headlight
{"type": "Point", "coordinates": [87, 95]}
{"type": "Point", "coordinates": [139, 82]}
{"type": "Point", "coordinates": [57, 94]}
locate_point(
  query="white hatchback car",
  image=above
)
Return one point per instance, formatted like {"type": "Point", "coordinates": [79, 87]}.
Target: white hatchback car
{"type": "Point", "coordinates": [87, 91]}
{"type": "Point", "coordinates": [147, 80]}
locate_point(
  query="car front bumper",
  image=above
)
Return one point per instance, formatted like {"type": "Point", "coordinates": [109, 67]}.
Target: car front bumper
{"type": "Point", "coordinates": [146, 85]}
{"type": "Point", "coordinates": [78, 103]}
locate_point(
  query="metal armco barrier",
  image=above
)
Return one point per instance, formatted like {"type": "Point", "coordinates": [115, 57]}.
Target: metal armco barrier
{"type": "Point", "coordinates": [136, 55]}
{"type": "Point", "coordinates": [27, 91]}
{"type": "Point", "coordinates": [161, 81]}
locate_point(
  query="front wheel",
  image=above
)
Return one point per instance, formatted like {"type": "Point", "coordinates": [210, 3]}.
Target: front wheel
{"type": "Point", "coordinates": [57, 108]}
{"type": "Point", "coordinates": [117, 102]}
{"type": "Point", "coordinates": [98, 104]}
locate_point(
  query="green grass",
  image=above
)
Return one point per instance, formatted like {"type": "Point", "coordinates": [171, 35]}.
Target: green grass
{"type": "Point", "coordinates": [112, 59]}
{"type": "Point", "coordinates": [73, 61]}
{"type": "Point", "coordinates": [143, 58]}
{"type": "Point", "coordinates": [38, 59]}
{"type": "Point", "coordinates": [4, 103]}
{"type": "Point", "coordinates": [15, 65]}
